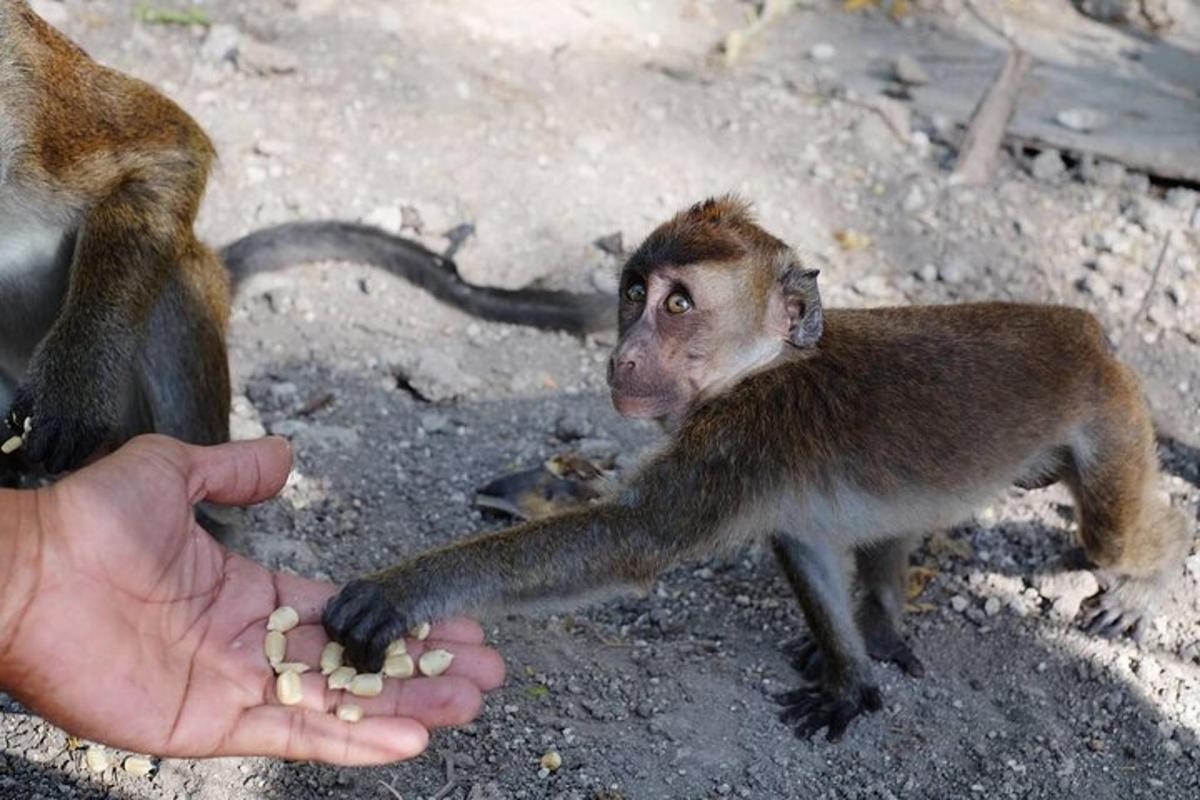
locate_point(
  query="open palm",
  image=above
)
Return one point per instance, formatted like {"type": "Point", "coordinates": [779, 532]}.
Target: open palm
{"type": "Point", "coordinates": [138, 630]}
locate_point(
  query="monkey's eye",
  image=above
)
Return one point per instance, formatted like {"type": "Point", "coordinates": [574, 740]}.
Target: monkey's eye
{"type": "Point", "coordinates": [678, 303]}
{"type": "Point", "coordinates": [635, 293]}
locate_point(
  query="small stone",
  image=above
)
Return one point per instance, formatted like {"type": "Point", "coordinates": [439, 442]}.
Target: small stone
{"type": "Point", "coordinates": [96, 758]}
{"type": "Point", "coordinates": [822, 51]}
{"type": "Point", "coordinates": [953, 272]}
{"type": "Point", "coordinates": [991, 607]}
{"type": "Point", "coordinates": [265, 59]}
{"type": "Point", "coordinates": [908, 70]}
{"type": "Point", "coordinates": [1047, 165]}
{"type": "Point", "coordinates": [551, 761]}
{"type": "Point", "coordinates": [1066, 591]}
{"type": "Point", "coordinates": [914, 200]}
{"type": "Point", "coordinates": [1082, 119]}
{"type": "Point", "coordinates": [389, 218]}
{"type": "Point", "coordinates": [959, 603]}
{"type": "Point", "coordinates": [138, 766]}
{"type": "Point", "coordinates": [433, 422]}
{"type": "Point", "coordinates": [1182, 198]}
{"type": "Point", "coordinates": [1101, 173]}
{"type": "Point", "coordinates": [928, 273]}
{"type": "Point", "coordinates": [221, 43]}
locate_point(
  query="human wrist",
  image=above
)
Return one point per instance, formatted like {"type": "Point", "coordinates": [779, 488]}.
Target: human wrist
{"type": "Point", "coordinates": [22, 534]}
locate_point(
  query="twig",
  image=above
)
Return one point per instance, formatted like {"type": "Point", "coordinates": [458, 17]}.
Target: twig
{"type": "Point", "coordinates": [451, 777]}
{"type": "Point", "coordinates": [1162, 256]}
{"type": "Point", "coordinates": [980, 149]}
{"type": "Point", "coordinates": [391, 789]}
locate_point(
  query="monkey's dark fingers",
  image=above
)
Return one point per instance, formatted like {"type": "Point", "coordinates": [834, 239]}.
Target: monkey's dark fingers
{"type": "Point", "coordinates": [365, 621]}
{"type": "Point", "coordinates": [1109, 621]}
{"type": "Point", "coordinates": [897, 651]}
{"type": "Point", "coordinates": [811, 709]}
{"type": "Point", "coordinates": [60, 444]}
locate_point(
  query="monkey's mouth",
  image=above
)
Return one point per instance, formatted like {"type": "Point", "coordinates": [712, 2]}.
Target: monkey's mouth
{"type": "Point", "coordinates": [640, 406]}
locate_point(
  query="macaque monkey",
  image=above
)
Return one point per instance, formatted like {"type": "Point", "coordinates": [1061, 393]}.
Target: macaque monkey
{"type": "Point", "coordinates": [112, 313]}
{"type": "Point", "coordinates": [824, 433]}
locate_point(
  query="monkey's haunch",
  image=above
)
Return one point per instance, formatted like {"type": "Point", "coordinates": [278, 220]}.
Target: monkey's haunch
{"type": "Point", "coordinates": [304, 242]}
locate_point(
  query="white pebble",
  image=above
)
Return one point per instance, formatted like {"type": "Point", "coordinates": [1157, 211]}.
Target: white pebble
{"type": "Point", "coordinates": [96, 759]}
{"type": "Point", "coordinates": [288, 688]}
{"type": "Point", "coordinates": [551, 761]}
{"type": "Point", "coordinates": [283, 619]}
{"type": "Point", "coordinates": [368, 684]}
{"type": "Point", "coordinates": [138, 766]}
{"type": "Point", "coordinates": [435, 662]}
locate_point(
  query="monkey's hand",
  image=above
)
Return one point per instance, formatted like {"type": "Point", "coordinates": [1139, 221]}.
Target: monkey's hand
{"type": "Point", "coordinates": [62, 415]}
{"type": "Point", "coordinates": [370, 613]}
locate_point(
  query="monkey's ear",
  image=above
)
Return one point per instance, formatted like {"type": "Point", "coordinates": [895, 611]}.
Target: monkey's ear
{"type": "Point", "coordinates": [802, 303]}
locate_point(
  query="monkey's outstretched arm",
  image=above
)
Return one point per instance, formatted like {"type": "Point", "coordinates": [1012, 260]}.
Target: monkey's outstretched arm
{"type": "Point", "coordinates": [125, 249]}
{"type": "Point", "coordinates": [582, 552]}
{"type": "Point", "coordinates": [622, 543]}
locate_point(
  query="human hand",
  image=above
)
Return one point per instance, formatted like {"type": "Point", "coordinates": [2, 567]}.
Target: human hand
{"type": "Point", "coordinates": [122, 621]}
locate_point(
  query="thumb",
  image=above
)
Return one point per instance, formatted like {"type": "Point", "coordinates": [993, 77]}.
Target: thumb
{"type": "Point", "coordinates": [239, 473]}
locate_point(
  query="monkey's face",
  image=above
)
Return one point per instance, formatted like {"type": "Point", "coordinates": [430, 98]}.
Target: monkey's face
{"type": "Point", "coordinates": [685, 332]}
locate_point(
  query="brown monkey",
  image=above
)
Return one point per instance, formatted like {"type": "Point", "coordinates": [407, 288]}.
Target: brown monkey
{"type": "Point", "coordinates": [822, 432]}
{"type": "Point", "coordinates": [113, 313]}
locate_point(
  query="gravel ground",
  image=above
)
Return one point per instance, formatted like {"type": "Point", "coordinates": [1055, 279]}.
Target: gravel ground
{"type": "Point", "coordinates": [548, 125]}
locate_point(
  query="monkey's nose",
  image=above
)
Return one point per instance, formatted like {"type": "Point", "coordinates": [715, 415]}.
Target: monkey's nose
{"type": "Point", "coordinates": [620, 367]}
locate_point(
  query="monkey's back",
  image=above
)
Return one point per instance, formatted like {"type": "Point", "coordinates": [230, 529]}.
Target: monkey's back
{"type": "Point", "coordinates": [941, 396]}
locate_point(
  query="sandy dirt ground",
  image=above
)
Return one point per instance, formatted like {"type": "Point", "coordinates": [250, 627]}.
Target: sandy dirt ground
{"type": "Point", "coordinates": [547, 125]}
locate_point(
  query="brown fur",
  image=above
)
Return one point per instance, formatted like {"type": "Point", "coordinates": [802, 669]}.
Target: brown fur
{"type": "Point", "coordinates": [120, 170]}
{"type": "Point", "coordinates": [888, 423]}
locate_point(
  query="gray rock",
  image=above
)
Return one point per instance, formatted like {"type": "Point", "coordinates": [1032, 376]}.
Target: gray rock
{"type": "Point", "coordinates": [221, 43]}
{"type": "Point", "coordinates": [433, 421]}
{"type": "Point", "coordinates": [953, 272]}
{"type": "Point", "coordinates": [265, 59]}
{"type": "Point", "coordinates": [1181, 198]}
{"type": "Point", "coordinates": [1066, 591]}
{"type": "Point", "coordinates": [908, 70]}
{"type": "Point", "coordinates": [928, 273]}
{"type": "Point", "coordinates": [1047, 165]}
{"type": "Point", "coordinates": [55, 13]}
{"type": "Point", "coordinates": [1102, 173]}
{"type": "Point", "coordinates": [434, 373]}
{"type": "Point", "coordinates": [959, 603]}
{"type": "Point", "coordinates": [1082, 119]}
{"type": "Point", "coordinates": [822, 51]}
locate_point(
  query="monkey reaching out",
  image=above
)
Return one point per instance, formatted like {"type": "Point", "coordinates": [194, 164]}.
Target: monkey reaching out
{"type": "Point", "coordinates": [112, 313]}
{"type": "Point", "coordinates": [821, 432]}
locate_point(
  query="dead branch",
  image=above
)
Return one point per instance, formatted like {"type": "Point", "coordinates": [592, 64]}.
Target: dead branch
{"type": "Point", "coordinates": [980, 151]}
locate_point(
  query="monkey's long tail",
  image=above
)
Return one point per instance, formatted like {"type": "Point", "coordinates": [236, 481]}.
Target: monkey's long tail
{"type": "Point", "coordinates": [303, 242]}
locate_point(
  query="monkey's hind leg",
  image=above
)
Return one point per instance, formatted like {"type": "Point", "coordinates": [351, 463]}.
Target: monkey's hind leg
{"type": "Point", "coordinates": [182, 388]}
{"type": "Point", "coordinates": [881, 571]}
{"type": "Point", "coordinates": [1134, 537]}
{"type": "Point", "coordinates": [846, 688]}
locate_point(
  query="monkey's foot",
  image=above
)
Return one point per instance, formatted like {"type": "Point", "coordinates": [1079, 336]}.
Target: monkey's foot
{"type": "Point", "coordinates": [1124, 606]}
{"type": "Point", "coordinates": [883, 642]}
{"type": "Point", "coordinates": [364, 619]}
{"type": "Point", "coordinates": [812, 708]}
